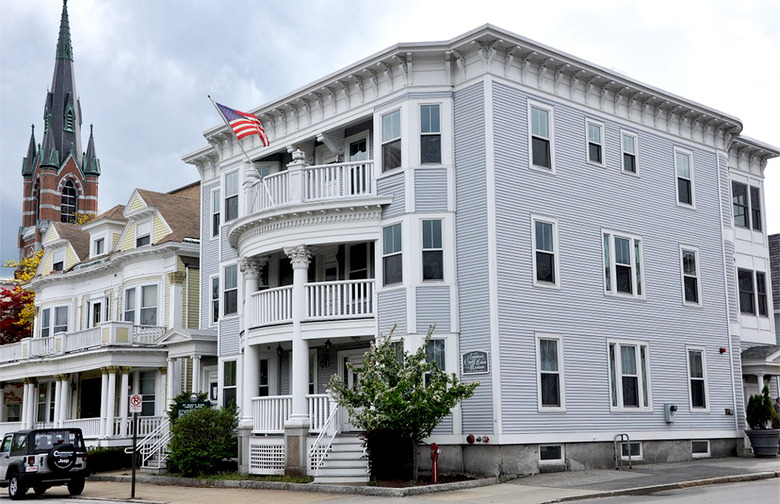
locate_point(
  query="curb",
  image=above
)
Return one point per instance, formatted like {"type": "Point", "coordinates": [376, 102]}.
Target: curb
{"type": "Point", "coordinates": [669, 486]}
{"type": "Point", "coordinates": [303, 487]}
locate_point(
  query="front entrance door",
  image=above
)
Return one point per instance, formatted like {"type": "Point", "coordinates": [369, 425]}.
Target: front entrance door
{"type": "Point", "coordinates": [355, 357]}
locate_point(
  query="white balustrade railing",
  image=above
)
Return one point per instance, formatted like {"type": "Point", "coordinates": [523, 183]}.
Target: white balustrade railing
{"type": "Point", "coordinates": [271, 306]}
{"type": "Point", "coordinates": [270, 413]}
{"type": "Point", "coordinates": [83, 339]}
{"type": "Point", "coordinates": [339, 180]}
{"type": "Point", "coordinates": [11, 352]}
{"type": "Point", "coordinates": [341, 299]}
{"type": "Point", "coordinates": [320, 406]}
{"type": "Point", "coordinates": [41, 347]}
{"type": "Point", "coordinates": [90, 427]}
{"type": "Point", "coordinates": [147, 335]}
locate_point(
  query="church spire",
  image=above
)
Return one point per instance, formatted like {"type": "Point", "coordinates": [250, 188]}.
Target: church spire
{"type": "Point", "coordinates": [28, 163]}
{"type": "Point", "coordinates": [91, 162]}
{"type": "Point", "coordinates": [50, 157]}
{"type": "Point", "coordinates": [64, 49]}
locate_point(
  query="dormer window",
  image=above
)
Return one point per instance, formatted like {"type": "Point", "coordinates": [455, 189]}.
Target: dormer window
{"type": "Point", "coordinates": [58, 260]}
{"type": "Point", "coordinates": [143, 233]}
{"type": "Point", "coordinates": [99, 247]}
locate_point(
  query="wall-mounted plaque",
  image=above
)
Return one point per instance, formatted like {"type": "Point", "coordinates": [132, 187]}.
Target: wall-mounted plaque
{"type": "Point", "coordinates": [475, 362]}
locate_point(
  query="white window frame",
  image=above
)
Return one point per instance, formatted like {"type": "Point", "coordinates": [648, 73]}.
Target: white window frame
{"type": "Point", "coordinates": [556, 255]}
{"type": "Point", "coordinates": [216, 202]}
{"type": "Point", "coordinates": [99, 241]}
{"type": "Point", "coordinates": [58, 257]}
{"type": "Point", "coordinates": [430, 133]}
{"type": "Point", "coordinates": [102, 315]}
{"type": "Point", "coordinates": [423, 249]}
{"type": "Point", "coordinates": [638, 282]}
{"type": "Point", "coordinates": [623, 152]}
{"type": "Point", "coordinates": [551, 136]}
{"type": "Point", "coordinates": [755, 294]}
{"type": "Point", "coordinates": [138, 297]}
{"type": "Point", "coordinates": [689, 154]}
{"type": "Point", "coordinates": [52, 327]}
{"type": "Point", "coordinates": [601, 143]}
{"type": "Point", "coordinates": [643, 376]}
{"type": "Point", "coordinates": [387, 140]}
{"type": "Point", "coordinates": [706, 454]}
{"type": "Point", "coordinates": [392, 253]}
{"type": "Point", "coordinates": [552, 461]}
{"type": "Point", "coordinates": [223, 284]}
{"type": "Point", "coordinates": [703, 351]}
{"type": "Point", "coordinates": [221, 380]}
{"type": "Point", "coordinates": [139, 230]}
{"type": "Point", "coordinates": [226, 197]}
{"type": "Point", "coordinates": [697, 276]}
{"type": "Point", "coordinates": [640, 456]}
{"type": "Point", "coordinates": [561, 377]}
{"type": "Point", "coordinates": [214, 311]}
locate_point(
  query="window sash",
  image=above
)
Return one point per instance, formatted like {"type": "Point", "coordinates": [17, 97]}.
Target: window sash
{"type": "Point", "coordinates": [541, 155]}
{"type": "Point", "coordinates": [148, 312]}
{"type": "Point", "coordinates": [747, 303]}
{"type": "Point", "coordinates": [129, 313]}
{"type": "Point", "coordinates": [697, 378]}
{"type": "Point", "coordinates": [432, 250]}
{"type": "Point", "coordinates": [755, 208]}
{"type": "Point", "coordinates": [628, 375]}
{"type": "Point", "coordinates": [214, 299]}
{"type": "Point", "coordinates": [684, 178]}
{"type": "Point", "coordinates": [60, 319]}
{"type": "Point", "coordinates": [690, 276]}
{"type": "Point", "coordinates": [623, 264]}
{"type": "Point", "coordinates": [231, 196]}
{"type": "Point", "coordinates": [230, 292]}
{"type": "Point", "coordinates": [628, 144]}
{"type": "Point", "coordinates": [430, 134]}
{"type": "Point", "coordinates": [99, 246]}
{"type": "Point", "coordinates": [595, 143]}
{"type": "Point", "coordinates": [216, 201]}
{"type": "Point", "coordinates": [761, 294]}
{"type": "Point", "coordinates": [544, 251]}
{"type": "Point", "coordinates": [739, 200]}
{"type": "Point", "coordinates": [45, 322]}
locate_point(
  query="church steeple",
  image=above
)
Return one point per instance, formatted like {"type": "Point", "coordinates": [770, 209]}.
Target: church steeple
{"type": "Point", "coordinates": [28, 163]}
{"type": "Point", "coordinates": [62, 100]}
{"type": "Point", "coordinates": [91, 162]}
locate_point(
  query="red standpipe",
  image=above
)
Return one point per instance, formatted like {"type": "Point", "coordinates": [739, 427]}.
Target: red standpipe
{"type": "Point", "coordinates": [435, 463]}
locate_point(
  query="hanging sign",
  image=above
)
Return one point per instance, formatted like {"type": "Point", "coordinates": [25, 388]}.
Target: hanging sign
{"type": "Point", "coordinates": [475, 362]}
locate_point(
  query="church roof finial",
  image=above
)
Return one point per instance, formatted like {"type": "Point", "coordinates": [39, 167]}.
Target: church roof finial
{"type": "Point", "coordinates": [91, 162]}
{"type": "Point", "coordinates": [64, 49]}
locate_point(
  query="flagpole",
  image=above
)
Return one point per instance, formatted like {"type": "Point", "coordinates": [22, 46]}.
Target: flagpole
{"type": "Point", "coordinates": [227, 123]}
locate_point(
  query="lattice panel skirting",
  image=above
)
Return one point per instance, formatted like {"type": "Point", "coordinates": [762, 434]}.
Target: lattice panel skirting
{"type": "Point", "coordinates": [266, 456]}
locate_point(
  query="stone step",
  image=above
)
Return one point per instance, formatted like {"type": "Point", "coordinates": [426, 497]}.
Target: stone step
{"type": "Point", "coordinates": [333, 480]}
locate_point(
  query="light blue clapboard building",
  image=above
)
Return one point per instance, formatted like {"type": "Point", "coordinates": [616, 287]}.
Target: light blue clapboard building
{"type": "Point", "coordinates": [591, 249]}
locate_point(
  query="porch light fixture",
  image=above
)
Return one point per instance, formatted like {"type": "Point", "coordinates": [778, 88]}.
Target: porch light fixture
{"type": "Point", "coordinates": [325, 359]}
{"type": "Point", "coordinates": [279, 350]}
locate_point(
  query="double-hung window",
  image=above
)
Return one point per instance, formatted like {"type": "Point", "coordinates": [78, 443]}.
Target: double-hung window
{"type": "Point", "coordinates": [690, 275]}
{"type": "Point", "coordinates": [545, 243]}
{"type": "Point", "coordinates": [230, 290]}
{"type": "Point", "coordinates": [58, 260]}
{"type": "Point", "coordinates": [147, 390]}
{"type": "Point", "coordinates": [752, 292]}
{"type": "Point", "coordinates": [435, 354]}
{"type": "Point", "coordinates": [550, 372]}
{"type": "Point", "coordinates": [216, 202]}
{"type": "Point", "coordinates": [45, 323]}
{"type": "Point", "coordinates": [595, 133]}
{"type": "Point", "coordinates": [697, 378]}
{"type": "Point", "coordinates": [231, 196]}
{"type": "Point", "coordinates": [540, 118]}
{"type": "Point", "coordinates": [623, 272]}
{"type": "Point", "coordinates": [628, 371]}
{"type": "Point", "coordinates": [430, 134]}
{"type": "Point", "coordinates": [214, 296]}
{"type": "Point", "coordinates": [129, 311]}
{"type": "Point", "coordinates": [432, 250]}
{"type": "Point", "coordinates": [228, 383]}
{"type": "Point", "coordinates": [683, 163]}
{"type": "Point", "coordinates": [746, 201]}
{"type": "Point", "coordinates": [392, 257]}
{"type": "Point", "coordinates": [143, 233]}
{"type": "Point", "coordinates": [391, 140]}
{"type": "Point", "coordinates": [54, 320]}
{"type": "Point", "coordinates": [629, 143]}
{"type": "Point", "coordinates": [148, 311]}
{"type": "Point", "coordinates": [99, 247]}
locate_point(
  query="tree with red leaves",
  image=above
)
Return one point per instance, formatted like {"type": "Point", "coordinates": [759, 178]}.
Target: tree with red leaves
{"type": "Point", "coordinates": [12, 302]}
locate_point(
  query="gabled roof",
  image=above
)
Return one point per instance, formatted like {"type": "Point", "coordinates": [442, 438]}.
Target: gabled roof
{"type": "Point", "coordinates": [181, 212]}
{"type": "Point", "coordinates": [78, 238]}
{"type": "Point", "coordinates": [114, 214]}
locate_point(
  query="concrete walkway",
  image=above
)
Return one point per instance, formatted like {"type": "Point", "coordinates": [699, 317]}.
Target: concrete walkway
{"type": "Point", "coordinates": [537, 489]}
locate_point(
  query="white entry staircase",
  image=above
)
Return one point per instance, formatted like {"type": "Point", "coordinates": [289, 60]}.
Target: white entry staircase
{"type": "Point", "coordinates": [154, 449]}
{"type": "Point", "coordinates": [345, 461]}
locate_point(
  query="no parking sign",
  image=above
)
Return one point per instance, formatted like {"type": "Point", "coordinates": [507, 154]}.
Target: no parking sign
{"type": "Point", "coordinates": [135, 403]}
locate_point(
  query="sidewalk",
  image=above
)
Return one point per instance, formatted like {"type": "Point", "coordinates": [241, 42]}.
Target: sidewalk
{"type": "Point", "coordinates": [537, 489]}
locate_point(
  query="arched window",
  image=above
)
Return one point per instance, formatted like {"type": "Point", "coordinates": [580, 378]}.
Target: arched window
{"type": "Point", "coordinates": [37, 196]}
{"type": "Point", "coordinates": [69, 202]}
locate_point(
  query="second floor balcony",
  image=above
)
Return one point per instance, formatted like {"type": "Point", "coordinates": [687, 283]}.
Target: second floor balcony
{"type": "Point", "coordinates": [107, 334]}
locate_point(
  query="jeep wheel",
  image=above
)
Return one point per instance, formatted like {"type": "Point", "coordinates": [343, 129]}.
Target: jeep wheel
{"type": "Point", "coordinates": [15, 488]}
{"type": "Point", "coordinates": [61, 457]}
{"type": "Point", "coordinates": [40, 490]}
{"type": "Point", "coordinates": [76, 486]}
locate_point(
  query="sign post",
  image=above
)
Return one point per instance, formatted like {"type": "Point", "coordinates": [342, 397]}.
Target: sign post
{"type": "Point", "coordinates": [135, 408]}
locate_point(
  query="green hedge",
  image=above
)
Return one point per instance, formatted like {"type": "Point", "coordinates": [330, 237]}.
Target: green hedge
{"type": "Point", "coordinates": [108, 459]}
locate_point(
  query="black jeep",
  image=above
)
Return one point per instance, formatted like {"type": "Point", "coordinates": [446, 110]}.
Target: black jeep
{"type": "Point", "coordinates": [43, 458]}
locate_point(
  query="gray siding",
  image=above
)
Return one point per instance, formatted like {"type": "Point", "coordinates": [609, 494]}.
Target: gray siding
{"type": "Point", "coordinates": [433, 307]}
{"type": "Point", "coordinates": [584, 199]}
{"type": "Point", "coordinates": [209, 254]}
{"type": "Point", "coordinates": [430, 190]}
{"type": "Point", "coordinates": [228, 337]}
{"type": "Point", "coordinates": [394, 184]}
{"type": "Point", "coordinates": [228, 252]}
{"type": "Point", "coordinates": [731, 279]}
{"type": "Point", "coordinates": [392, 311]}
{"type": "Point", "coordinates": [471, 247]}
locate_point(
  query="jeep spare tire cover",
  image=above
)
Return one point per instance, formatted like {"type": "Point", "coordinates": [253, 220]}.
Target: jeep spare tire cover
{"type": "Point", "coordinates": [62, 457]}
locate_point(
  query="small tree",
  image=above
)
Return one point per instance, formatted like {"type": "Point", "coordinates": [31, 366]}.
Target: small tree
{"type": "Point", "coordinates": [203, 439]}
{"type": "Point", "coordinates": [400, 392]}
{"type": "Point", "coordinates": [760, 413]}
{"type": "Point", "coordinates": [17, 305]}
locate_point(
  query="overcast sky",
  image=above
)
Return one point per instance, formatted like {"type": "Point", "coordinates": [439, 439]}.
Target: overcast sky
{"type": "Point", "coordinates": [144, 67]}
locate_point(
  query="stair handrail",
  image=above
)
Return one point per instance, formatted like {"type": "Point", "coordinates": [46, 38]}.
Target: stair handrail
{"type": "Point", "coordinates": [618, 441]}
{"type": "Point", "coordinates": [325, 428]}
{"type": "Point", "coordinates": [152, 442]}
{"type": "Point", "coordinates": [159, 448]}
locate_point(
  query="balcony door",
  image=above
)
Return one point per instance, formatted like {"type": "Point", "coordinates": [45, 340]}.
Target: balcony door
{"type": "Point", "coordinates": [355, 357]}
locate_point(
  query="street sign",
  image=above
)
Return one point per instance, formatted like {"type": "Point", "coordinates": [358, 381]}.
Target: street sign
{"type": "Point", "coordinates": [135, 403]}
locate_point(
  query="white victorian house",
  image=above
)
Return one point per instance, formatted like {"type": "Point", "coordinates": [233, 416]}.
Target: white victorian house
{"type": "Point", "coordinates": [117, 312]}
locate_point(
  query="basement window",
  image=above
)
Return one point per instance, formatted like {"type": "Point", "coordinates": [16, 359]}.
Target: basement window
{"type": "Point", "coordinates": [551, 454]}
{"type": "Point", "coordinates": [700, 449]}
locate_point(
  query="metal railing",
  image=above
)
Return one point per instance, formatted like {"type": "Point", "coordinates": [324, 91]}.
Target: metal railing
{"type": "Point", "coordinates": [318, 451]}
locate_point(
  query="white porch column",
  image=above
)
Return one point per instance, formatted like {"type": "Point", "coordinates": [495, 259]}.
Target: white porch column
{"type": "Point", "coordinates": [65, 395]}
{"type": "Point", "coordinates": [252, 268]}
{"type": "Point", "coordinates": [111, 410]}
{"type": "Point", "coordinates": [297, 428]}
{"type": "Point", "coordinates": [28, 397]}
{"type": "Point", "coordinates": [123, 399]}
{"type": "Point", "coordinates": [103, 400]}
{"type": "Point", "coordinates": [169, 374]}
{"type": "Point", "coordinates": [196, 371]}
{"type": "Point", "coordinates": [177, 280]}
{"type": "Point", "coordinates": [57, 401]}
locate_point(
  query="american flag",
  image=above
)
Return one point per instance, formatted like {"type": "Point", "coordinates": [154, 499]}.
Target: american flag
{"type": "Point", "coordinates": [243, 123]}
